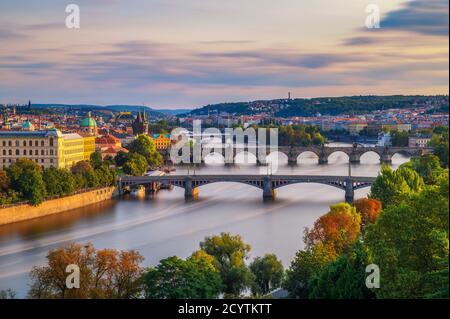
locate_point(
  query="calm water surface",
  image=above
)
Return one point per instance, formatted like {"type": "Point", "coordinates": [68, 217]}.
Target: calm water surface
{"type": "Point", "coordinates": [165, 225]}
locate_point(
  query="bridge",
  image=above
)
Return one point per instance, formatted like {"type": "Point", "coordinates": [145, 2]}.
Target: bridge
{"type": "Point", "coordinates": [267, 183]}
{"type": "Point", "coordinates": [322, 152]}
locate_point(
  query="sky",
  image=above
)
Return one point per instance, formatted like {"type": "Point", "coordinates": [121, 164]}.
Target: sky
{"type": "Point", "coordinates": [189, 53]}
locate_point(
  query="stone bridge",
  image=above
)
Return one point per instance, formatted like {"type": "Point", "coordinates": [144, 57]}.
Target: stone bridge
{"type": "Point", "coordinates": [267, 183]}
{"type": "Point", "coordinates": [322, 152]}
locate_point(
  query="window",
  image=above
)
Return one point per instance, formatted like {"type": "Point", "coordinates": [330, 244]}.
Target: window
{"type": "Point", "coordinates": [51, 152]}
{"type": "Point", "coordinates": [4, 143]}
{"type": "Point", "coordinates": [24, 152]}
{"type": "Point", "coordinates": [30, 143]}
{"type": "Point", "coordinates": [42, 152]}
{"type": "Point", "coordinates": [24, 143]}
{"type": "Point", "coordinates": [51, 141]}
{"type": "Point", "coordinates": [4, 152]}
{"type": "Point", "coordinates": [36, 143]}
{"type": "Point", "coordinates": [36, 152]}
{"type": "Point", "coordinates": [9, 143]}
{"type": "Point", "coordinates": [42, 143]}
{"type": "Point", "coordinates": [17, 152]}
{"type": "Point", "coordinates": [10, 152]}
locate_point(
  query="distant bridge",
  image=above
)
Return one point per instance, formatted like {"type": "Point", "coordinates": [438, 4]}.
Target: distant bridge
{"type": "Point", "coordinates": [322, 152]}
{"type": "Point", "coordinates": [267, 183]}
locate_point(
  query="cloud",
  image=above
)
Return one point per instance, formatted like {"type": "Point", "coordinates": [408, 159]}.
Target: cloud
{"type": "Point", "coordinates": [429, 17]}
{"type": "Point", "coordinates": [7, 34]}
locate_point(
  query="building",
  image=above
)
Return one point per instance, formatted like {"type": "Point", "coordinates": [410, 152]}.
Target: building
{"type": "Point", "coordinates": [140, 124]}
{"type": "Point", "coordinates": [88, 125]}
{"type": "Point", "coordinates": [355, 128]}
{"type": "Point", "coordinates": [109, 145]}
{"type": "Point", "coordinates": [162, 141]}
{"type": "Point", "coordinates": [48, 148]}
{"type": "Point", "coordinates": [419, 140]}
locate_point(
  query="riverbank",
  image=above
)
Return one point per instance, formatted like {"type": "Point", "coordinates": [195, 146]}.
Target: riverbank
{"type": "Point", "coordinates": [22, 212]}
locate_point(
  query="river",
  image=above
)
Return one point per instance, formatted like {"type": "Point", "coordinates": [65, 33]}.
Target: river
{"type": "Point", "coordinates": [164, 225]}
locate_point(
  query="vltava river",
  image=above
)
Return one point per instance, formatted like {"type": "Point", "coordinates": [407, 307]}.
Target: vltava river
{"type": "Point", "coordinates": [164, 225]}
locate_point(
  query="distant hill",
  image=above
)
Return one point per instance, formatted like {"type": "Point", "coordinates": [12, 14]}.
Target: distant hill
{"type": "Point", "coordinates": [113, 108]}
{"type": "Point", "coordinates": [174, 111]}
{"type": "Point", "coordinates": [324, 105]}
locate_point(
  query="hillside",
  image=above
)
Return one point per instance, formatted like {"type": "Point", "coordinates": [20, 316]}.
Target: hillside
{"type": "Point", "coordinates": [324, 106]}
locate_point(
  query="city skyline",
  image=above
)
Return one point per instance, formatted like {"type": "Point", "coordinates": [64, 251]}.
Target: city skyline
{"type": "Point", "coordinates": [184, 55]}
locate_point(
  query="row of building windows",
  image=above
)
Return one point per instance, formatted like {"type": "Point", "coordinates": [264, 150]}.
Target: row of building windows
{"type": "Point", "coordinates": [24, 143]}
{"type": "Point", "coordinates": [13, 161]}
{"type": "Point", "coordinates": [30, 152]}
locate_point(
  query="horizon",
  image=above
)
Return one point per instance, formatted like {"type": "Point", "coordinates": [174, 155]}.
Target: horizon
{"type": "Point", "coordinates": [172, 55]}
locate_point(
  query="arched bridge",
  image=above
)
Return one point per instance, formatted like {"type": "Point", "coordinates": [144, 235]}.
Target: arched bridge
{"type": "Point", "coordinates": [267, 183]}
{"type": "Point", "coordinates": [322, 152]}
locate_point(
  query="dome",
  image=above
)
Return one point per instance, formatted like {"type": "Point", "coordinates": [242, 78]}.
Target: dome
{"type": "Point", "coordinates": [88, 121]}
{"type": "Point", "coordinates": [27, 125]}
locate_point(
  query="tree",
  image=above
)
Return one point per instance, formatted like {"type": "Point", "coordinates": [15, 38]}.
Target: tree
{"type": "Point", "coordinates": [81, 167]}
{"type": "Point", "coordinates": [4, 181]}
{"type": "Point", "coordinates": [439, 142]}
{"type": "Point", "coordinates": [58, 182]}
{"type": "Point", "coordinates": [410, 243]}
{"type": "Point", "coordinates": [400, 139]}
{"type": "Point", "coordinates": [230, 253]}
{"type": "Point", "coordinates": [338, 229]}
{"type": "Point", "coordinates": [96, 160]}
{"type": "Point", "coordinates": [121, 158]}
{"type": "Point", "coordinates": [369, 209]}
{"type": "Point", "coordinates": [268, 272]}
{"type": "Point", "coordinates": [136, 165]}
{"type": "Point", "coordinates": [343, 278]}
{"type": "Point", "coordinates": [305, 264]}
{"type": "Point", "coordinates": [103, 274]}
{"type": "Point", "coordinates": [144, 146]}
{"type": "Point", "coordinates": [428, 166]}
{"type": "Point", "coordinates": [391, 187]}
{"type": "Point", "coordinates": [175, 278]}
{"type": "Point", "coordinates": [26, 178]}
{"type": "Point", "coordinates": [105, 176]}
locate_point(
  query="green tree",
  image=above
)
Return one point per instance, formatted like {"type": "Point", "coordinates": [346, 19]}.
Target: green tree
{"type": "Point", "coordinates": [175, 278]}
{"type": "Point", "coordinates": [427, 166]}
{"type": "Point", "coordinates": [4, 181]}
{"type": "Point", "coordinates": [121, 158]}
{"type": "Point", "coordinates": [58, 182]}
{"type": "Point", "coordinates": [268, 274]}
{"type": "Point", "coordinates": [96, 160]}
{"type": "Point", "coordinates": [230, 253]}
{"type": "Point", "coordinates": [410, 243]}
{"type": "Point", "coordinates": [26, 178]}
{"type": "Point", "coordinates": [343, 278]}
{"type": "Point", "coordinates": [136, 165]}
{"type": "Point", "coordinates": [391, 187]}
{"type": "Point", "coordinates": [144, 146]}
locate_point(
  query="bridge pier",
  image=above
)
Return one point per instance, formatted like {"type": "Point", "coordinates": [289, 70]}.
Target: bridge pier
{"type": "Point", "coordinates": [386, 159]}
{"type": "Point", "coordinates": [190, 192]}
{"type": "Point", "coordinates": [349, 192]}
{"type": "Point", "coordinates": [268, 192]}
{"type": "Point", "coordinates": [292, 161]}
{"type": "Point", "coordinates": [323, 159]}
{"type": "Point", "coordinates": [355, 158]}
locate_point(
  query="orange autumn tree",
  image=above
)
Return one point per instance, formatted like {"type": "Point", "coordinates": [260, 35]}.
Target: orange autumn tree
{"type": "Point", "coordinates": [336, 230]}
{"type": "Point", "coordinates": [105, 273]}
{"type": "Point", "coordinates": [369, 209]}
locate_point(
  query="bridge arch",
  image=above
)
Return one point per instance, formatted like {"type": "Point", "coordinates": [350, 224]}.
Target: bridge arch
{"type": "Point", "coordinates": [277, 157]}
{"type": "Point", "coordinates": [339, 186]}
{"type": "Point", "coordinates": [308, 157]}
{"type": "Point", "coordinates": [245, 157]}
{"type": "Point", "coordinates": [214, 158]}
{"type": "Point", "coordinates": [370, 157]}
{"type": "Point", "coordinates": [333, 156]}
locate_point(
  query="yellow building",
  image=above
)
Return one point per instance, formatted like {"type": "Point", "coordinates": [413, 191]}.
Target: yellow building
{"type": "Point", "coordinates": [46, 148]}
{"type": "Point", "coordinates": [162, 141]}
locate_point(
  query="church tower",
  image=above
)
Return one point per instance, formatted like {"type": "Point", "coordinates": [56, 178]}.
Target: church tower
{"type": "Point", "coordinates": [140, 124]}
